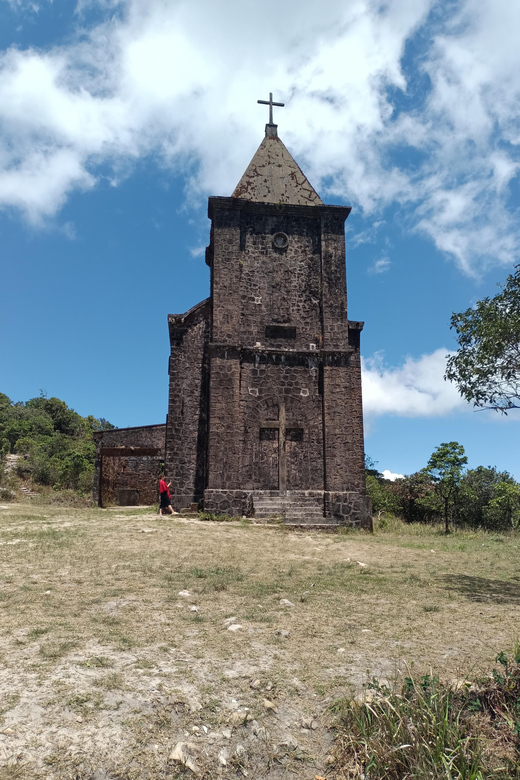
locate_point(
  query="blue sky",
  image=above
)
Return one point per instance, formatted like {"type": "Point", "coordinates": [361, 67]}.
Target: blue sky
{"type": "Point", "coordinates": [118, 119]}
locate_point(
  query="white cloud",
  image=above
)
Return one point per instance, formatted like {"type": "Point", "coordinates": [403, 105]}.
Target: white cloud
{"type": "Point", "coordinates": [180, 80]}
{"type": "Point", "coordinates": [25, 4]}
{"type": "Point", "coordinates": [415, 389]}
{"type": "Point", "coordinates": [391, 476]}
{"type": "Point", "coordinates": [380, 266]}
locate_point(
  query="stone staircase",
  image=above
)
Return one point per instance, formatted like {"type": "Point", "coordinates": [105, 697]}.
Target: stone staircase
{"type": "Point", "coordinates": [268, 505]}
{"type": "Point", "coordinates": [295, 507]}
{"type": "Point", "coordinates": [28, 492]}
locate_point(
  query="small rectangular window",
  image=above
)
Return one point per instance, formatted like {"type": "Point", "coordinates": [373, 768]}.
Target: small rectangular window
{"type": "Point", "coordinates": [268, 434]}
{"type": "Point", "coordinates": [294, 434]}
{"type": "Point", "coordinates": [280, 332]}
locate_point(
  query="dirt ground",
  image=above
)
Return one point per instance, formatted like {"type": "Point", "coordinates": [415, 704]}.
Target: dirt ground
{"type": "Point", "coordinates": [134, 646]}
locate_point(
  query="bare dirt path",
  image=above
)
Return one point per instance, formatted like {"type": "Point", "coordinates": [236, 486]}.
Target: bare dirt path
{"type": "Point", "coordinates": [125, 634]}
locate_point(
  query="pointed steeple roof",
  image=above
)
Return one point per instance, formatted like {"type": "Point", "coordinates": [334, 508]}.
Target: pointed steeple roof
{"type": "Point", "coordinates": [273, 176]}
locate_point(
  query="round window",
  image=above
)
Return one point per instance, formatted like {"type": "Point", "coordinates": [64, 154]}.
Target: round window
{"type": "Point", "coordinates": [280, 241]}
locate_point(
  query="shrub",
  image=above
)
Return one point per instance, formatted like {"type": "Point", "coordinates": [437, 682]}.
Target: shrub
{"type": "Point", "coordinates": [430, 729]}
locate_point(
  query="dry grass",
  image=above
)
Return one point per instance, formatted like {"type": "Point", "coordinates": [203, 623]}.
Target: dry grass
{"type": "Point", "coordinates": [105, 667]}
{"type": "Point", "coordinates": [463, 731]}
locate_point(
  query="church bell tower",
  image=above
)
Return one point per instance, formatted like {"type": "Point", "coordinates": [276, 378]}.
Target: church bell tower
{"type": "Point", "coordinates": [274, 412]}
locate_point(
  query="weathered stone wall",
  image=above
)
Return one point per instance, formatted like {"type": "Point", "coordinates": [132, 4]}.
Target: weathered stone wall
{"type": "Point", "coordinates": [235, 503]}
{"type": "Point", "coordinates": [281, 406]}
{"type": "Point", "coordinates": [349, 508]}
{"type": "Point", "coordinates": [256, 285]}
{"type": "Point", "coordinates": [265, 406]}
{"type": "Point", "coordinates": [226, 424]}
{"type": "Point", "coordinates": [285, 397]}
{"type": "Point", "coordinates": [186, 430]}
{"type": "Point", "coordinates": [127, 466]}
{"type": "Point", "coordinates": [343, 419]}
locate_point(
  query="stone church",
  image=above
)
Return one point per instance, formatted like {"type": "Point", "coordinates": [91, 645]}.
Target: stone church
{"type": "Point", "coordinates": [264, 410]}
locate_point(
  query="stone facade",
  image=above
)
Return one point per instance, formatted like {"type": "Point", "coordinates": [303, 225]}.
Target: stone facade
{"type": "Point", "coordinates": [265, 413]}
{"type": "Point", "coordinates": [128, 464]}
{"type": "Point", "coordinates": [264, 409]}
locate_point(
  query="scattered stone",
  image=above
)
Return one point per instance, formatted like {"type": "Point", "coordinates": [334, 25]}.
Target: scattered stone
{"type": "Point", "coordinates": [47, 593]}
{"type": "Point", "coordinates": [261, 732]}
{"type": "Point", "coordinates": [223, 757]}
{"type": "Point", "coordinates": [181, 754]}
{"type": "Point", "coordinates": [79, 719]}
{"type": "Point", "coordinates": [240, 718]}
{"type": "Point", "coordinates": [8, 731]}
{"type": "Point", "coordinates": [283, 633]}
{"type": "Point", "coordinates": [366, 696]}
{"type": "Point", "coordinates": [366, 631]}
{"type": "Point", "coordinates": [205, 729]}
{"type": "Point", "coordinates": [269, 705]}
{"type": "Point", "coordinates": [309, 723]}
{"type": "Point", "coordinates": [231, 674]}
{"type": "Point", "coordinates": [147, 531]}
{"type": "Point", "coordinates": [329, 760]}
{"type": "Point", "coordinates": [341, 650]}
{"type": "Point", "coordinates": [230, 620]}
{"type": "Point", "coordinates": [286, 603]}
{"type": "Point", "coordinates": [234, 627]}
{"type": "Point", "coordinates": [255, 684]}
{"type": "Point", "coordinates": [100, 774]}
{"type": "Point", "coordinates": [269, 686]}
{"type": "Point", "coordinates": [193, 608]}
{"type": "Point", "coordinates": [186, 595]}
{"type": "Point", "coordinates": [195, 729]}
{"type": "Point", "coordinates": [240, 750]}
{"type": "Point", "coordinates": [363, 565]}
{"type": "Point", "coordinates": [226, 733]}
{"type": "Point", "coordinates": [289, 742]}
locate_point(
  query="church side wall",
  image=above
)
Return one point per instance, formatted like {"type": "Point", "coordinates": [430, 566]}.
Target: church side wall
{"type": "Point", "coordinates": [186, 429]}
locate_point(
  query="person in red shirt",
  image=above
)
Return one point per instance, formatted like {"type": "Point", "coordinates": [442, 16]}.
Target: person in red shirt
{"type": "Point", "coordinates": [166, 499]}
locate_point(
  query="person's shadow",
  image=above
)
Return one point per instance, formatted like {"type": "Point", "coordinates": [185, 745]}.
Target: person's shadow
{"type": "Point", "coordinates": [480, 589]}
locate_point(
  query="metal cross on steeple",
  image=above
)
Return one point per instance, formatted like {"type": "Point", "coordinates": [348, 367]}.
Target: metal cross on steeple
{"type": "Point", "coordinates": [270, 103]}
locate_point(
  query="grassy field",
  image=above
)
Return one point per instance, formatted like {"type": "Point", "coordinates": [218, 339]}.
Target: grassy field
{"type": "Point", "coordinates": [125, 634]}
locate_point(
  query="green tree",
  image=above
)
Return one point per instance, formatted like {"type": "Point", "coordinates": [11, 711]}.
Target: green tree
{"type": "Point", "coordinates": [486, 367]}
{"type": "Point", "coordinates": [503, 511]}
{"type": "Point", "coordinates": [445, 468]}
{"type": "Point", "coordinates": [380, 492]}
{"type": "Point", "coordinates": [57, 443]}
{"type": "Point", "coordinates": [379, 489]}
{"type": "Point", "coordinates": [476, 490]}
{"type": "Point", "coordinates": [412, 494]}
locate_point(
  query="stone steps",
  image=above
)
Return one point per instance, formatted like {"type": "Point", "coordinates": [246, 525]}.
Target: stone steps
{"type": "Point", "coordinates": [28, 492]}
{"type": "Point", "coordinates": [295, 509]}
